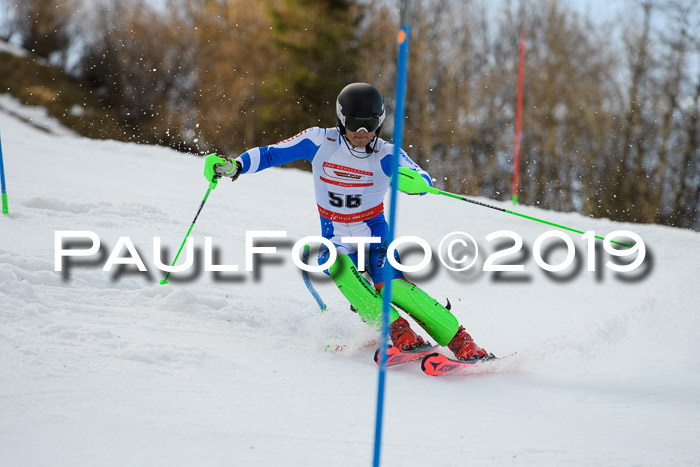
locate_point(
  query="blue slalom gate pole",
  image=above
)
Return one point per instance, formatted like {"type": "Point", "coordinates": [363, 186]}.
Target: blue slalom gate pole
{"type": "Point", "coordinates": [399, 113]}
{"type": "Point", "coordinates": [5, 209]}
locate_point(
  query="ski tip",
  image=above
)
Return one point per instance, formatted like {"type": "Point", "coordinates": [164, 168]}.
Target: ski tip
{"type": "Point", "coordinates": [432, 363]}
{"type": "Point", "coordinates": [437, 364]}
{"type": "Point", "coordinates": [335, 347]}
{"type": "Point", "coordinates": [390, 352]}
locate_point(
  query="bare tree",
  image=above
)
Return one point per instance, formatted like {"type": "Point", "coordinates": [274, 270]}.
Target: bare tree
{"type": "Point", "coordinates": [234, 55]}
{"type": "Point", "coordinates": [139, 60]}
{"type": "Point", "coordinates": [41, 25]}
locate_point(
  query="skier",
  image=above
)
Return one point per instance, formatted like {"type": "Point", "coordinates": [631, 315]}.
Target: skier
{"type": "Point", "coordinates": [351, 166]}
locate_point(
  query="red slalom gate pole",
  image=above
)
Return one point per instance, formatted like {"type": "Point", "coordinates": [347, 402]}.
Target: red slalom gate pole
{"type": "Point", "coordinates": [518, 117]}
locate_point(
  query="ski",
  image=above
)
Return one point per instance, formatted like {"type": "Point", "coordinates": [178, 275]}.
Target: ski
{"type": "Point", "coordinates": [436, 364]}
{"type": "Point", "coordinates": [396, 356]}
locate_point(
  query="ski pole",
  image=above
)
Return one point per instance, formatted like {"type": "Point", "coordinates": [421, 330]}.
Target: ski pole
{"type": "Point", "coordinates": [412, 182]}
{"type": "Point", "coordinates": [165, 281]}
{"type": "Point", "coordinates": [213, 178]}
{"type": "Point", "coordinates": [307, 281]}
{"type": "Point", "coordinates": [5, 209]}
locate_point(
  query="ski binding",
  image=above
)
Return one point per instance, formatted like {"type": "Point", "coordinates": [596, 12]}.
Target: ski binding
{"type": "Point", "coordinates": [396, 356]}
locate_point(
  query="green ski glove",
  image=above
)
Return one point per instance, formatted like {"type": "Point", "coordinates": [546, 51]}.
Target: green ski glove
{"type": "Point", "coordinates": [216, 167]}
{"type": "Point", "coordinates": [413, 183]}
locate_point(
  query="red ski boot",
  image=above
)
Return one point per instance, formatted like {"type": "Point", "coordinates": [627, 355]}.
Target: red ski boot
{"type": "Point", "coordinates": [403, 336]}
{"type": "Point", "coordinates": [464, 346]}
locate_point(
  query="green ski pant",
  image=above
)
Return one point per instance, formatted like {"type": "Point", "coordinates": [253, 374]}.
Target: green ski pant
{"type": "Point", "coordinates": [437, 320]}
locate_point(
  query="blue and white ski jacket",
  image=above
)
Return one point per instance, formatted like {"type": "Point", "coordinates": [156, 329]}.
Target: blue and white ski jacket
{"type": "Point", "coordinates": [350, 184]}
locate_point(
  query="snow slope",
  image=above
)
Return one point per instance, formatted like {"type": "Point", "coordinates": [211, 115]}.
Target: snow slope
{"type": "Point", "coordinates": [114, 369]}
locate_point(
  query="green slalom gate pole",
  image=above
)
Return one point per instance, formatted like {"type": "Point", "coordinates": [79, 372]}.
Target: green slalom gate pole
{"type": "Point", "coordinates": [211, 186]}
{"type": "Point", "coordinates": [5, 209]}
{"type": "Point", "coordinates": [412, 182]}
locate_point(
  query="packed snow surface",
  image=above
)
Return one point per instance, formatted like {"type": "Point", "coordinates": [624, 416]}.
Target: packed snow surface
{"type": "Point", "coordinates": [232, 368]}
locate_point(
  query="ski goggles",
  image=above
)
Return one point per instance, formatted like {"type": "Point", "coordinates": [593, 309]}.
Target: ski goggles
{"type": "Point", "coordinates": [368, 124]}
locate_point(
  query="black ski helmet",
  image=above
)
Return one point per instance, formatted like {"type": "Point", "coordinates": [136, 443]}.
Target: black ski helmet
{"type": "Point", "coordinates": [360, 105]}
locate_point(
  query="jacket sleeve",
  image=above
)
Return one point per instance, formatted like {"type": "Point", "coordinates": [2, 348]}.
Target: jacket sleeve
{"type": "Point", "coordinates": [404, 161]}
{"type": "Point", "coordinates": [305, 145]}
